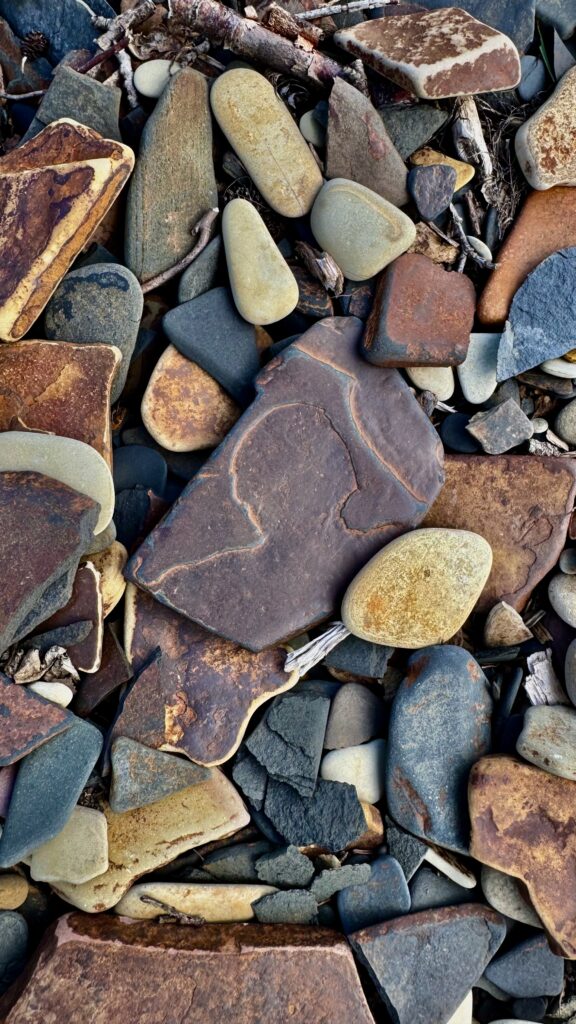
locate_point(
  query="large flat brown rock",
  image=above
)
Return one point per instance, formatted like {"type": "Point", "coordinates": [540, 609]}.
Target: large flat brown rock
{"type": "Point", "coordinates": [144, 973]}
{"type": "Point", "coordinates": [333, 459]}
{"type": "Point", "coordinates": [521, 505]}
{"type": "Point", "coordinates": [27, 720]}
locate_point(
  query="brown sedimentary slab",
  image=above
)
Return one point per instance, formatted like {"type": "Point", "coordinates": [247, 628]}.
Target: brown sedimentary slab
{"type": "Point", "coordinates": [524, 824]}
{"type": "Point", "coordinates": [332, 460]}
{"type": "Point", "coordinates": [27, 720]}
{"type": "Point", "coordinates": [54, 191]}
{"type": "Point", "coordinates": [521, 505]}
{"type": "Point", "coordinates": [85, 604]}
{"type": "Point", "coordinates": [143, 971]}
{"type": "Point", "coordinates": [114, 670]}
{"type": "Point", "coordinates": [59, 387]}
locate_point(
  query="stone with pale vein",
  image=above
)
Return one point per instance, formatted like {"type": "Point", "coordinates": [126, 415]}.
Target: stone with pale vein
{"type": "Point", "coordinates": [545, 142]}
{"type": "Point", "coordinates": [264, 288]}
{"type": "Point", "coordinates": [213, 903]}
{"type": "Point", "coordinates": [110, 564]}
{"type": "Point", "coordinates": [428, 157]}
{"type": "Point", "coordinates": [78, 853]}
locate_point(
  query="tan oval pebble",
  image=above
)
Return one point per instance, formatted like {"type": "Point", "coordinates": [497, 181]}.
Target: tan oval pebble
{"type": "Point", "coordinates": [13, 891]}
{"type": "Point", "coordinates": [215, 903]}
{"type": "Point", "coordinates": [267, 141]}
{"type": "Point", "coordinates": [110, 564]}
{"type": "Point", "coordinates": [152, 77]}
{"type": "Point", "coordinates": [437, 379]}
{"type": "Point", "coordinates": [419, 589]}
{"type": "Point", "coordinates": [264, 288]}
{"type": "Point", "coordinates": [183, 407]}
{"type": "Point", "coordinates": [77, 854]}
{"type": "Point", "coordinates": [57, 693]}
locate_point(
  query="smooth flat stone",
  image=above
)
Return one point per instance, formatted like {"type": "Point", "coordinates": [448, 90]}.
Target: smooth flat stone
{"type": "Point", "coordinates": [410, 127]}
{"type": "Point", "coordinates": [13, 891]}
{"type": "Point", "coordinates": [561, 14]}
{"type": "Point", "coordinates": [500, 428]}
{"type": "Point", "coordinates": [209, 331]}
{"type": "Point", "coordinates": [331, 818]}
{"type": "Point", "coordinates": [264, 288]}
{"type": "Point", "coordinates": [47, 787]}
{"type": "Point", "coordinates": [69, 177]}
{"type": "Point", "coordinates": [110, 564]}
{"type": "Point", "coordinates": [236, 863]}
{"type": "Point", "coordinates": [428, 157]}
{"type": "Point", "coordinates": [81, 98]}
{"type": "Point", "coordinates": [288, 740]}
{"type": "Point", "coordinates": [68, 28]}
{"type": "Point", "coordinates": [27, 721]}
{"type": "Point", "coordinates": [562, 597]}
{"type": "Point", "coordinates": [570, 671]}
{"type": "Point", "coordinates": [312, 130]}
{"type": "Point", "coordinates": [384, 896]}
{"type": "Point", "coordinates": [142, 840]}
{"type": "Point", "coordinates": [286, 868]}
{"type": "Point", "coordinates": [201, 275]}
{"type": "Point", "coordinates": [152, 77]}
{"type": "Point", "coordinates": [362, 231]}
{"type": "Point", "coordinates": [429, 891]}
{"type": "Point", "coordinates": [101, 303]}
{"type": "Point", "coordinates": [388, 601]}
{"type": "Point", "coordinates": [358, 658]}
{"type": "Point", "coordinates": [265, 138]}
{"type": "Point", "coordinates": [56, 693]}
{"type": "Point", "coordinates": [357, 714]}
{"type": "Point", "coordinates": [135, 465]}
{"type": "Point", "coordinates": [426, 776]}
{"type": "Point", "coordinates": [113, 672]}
{"type": "Point", "coordinates": [446, 949]}
{"type": "Point", "coordinates": [477, 374]}
{"type": "Point", "coordinates": [420, 316]}
{"type": "Point", "coordinates": [359, 148]}
{"type": "Point", "coordinates": [539, 849]}
{"type": "Point", "coordinates": [514, 20]}
{"type": "Point", "coordinates": [548, 740]}
{"type": "Point", "coordinates": [84, 604]}
{"type": "Point", "coordinates": [296, 906]}
{"type": "Point", "coordinates": [543, 142]}
{"type": "Point", "coordinates": [13, 947]}
{"type": "Point", "coordinates": [495, 497]}
{"type": "Point", "coordinates": [534, 77]}
{"type": "Point", "coordinates": [504, 627]}
{"type": "Point", "coordinates": [304, 967]}
{"type": "Point", "coordinates": [558, 368]}
{"type": "Point", "coordinates": [437, 379]}
{"type": "Point", "coordinates": [565, 423]}
{"type": "Point", "coordinates": [504, 893]}
{"type": "Point", "coordinates": [455, 436]}
{"type": "Point", "coordinates": [360, 766]}
{"type": "Point", "coordinates": [78, 853]}
{"type": "Point", "coordinates": [173, 184]}
{"type": "Point", "coordinates": [141, 776]}
{"type": "Point", "coordinates": [528, 969]}
{"type": "Point", "coordinates": [436, 54]}
{"type": "Point", "coordinates": [431, 188]}
{"type": "Point", "coordinates": [305, 395]}
{"type": "Point", "coordinates": [212, 903]}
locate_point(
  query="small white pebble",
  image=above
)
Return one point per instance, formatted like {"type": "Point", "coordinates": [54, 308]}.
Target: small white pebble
{"type": "Point", "coordinates": [152, 77]}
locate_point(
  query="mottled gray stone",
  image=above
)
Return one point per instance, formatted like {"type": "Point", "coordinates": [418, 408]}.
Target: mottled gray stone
{"type": "Point", "coordinates": [81, 98]}
{"type": "Point", "coordinates": [288, 740]}
{"type": "Point", "coordinates": [332, 818]}
{"type": "Point", "coordinates": [333, 880]}
{"type": "Point", "coordinates": [357, 714]}
{"type": "Point", "coordinates": [533, 79]}
{"type": "Point", "coordinates": [383, 896]}
{"type": "Point", "coordinates": [548, 739]}
{"type": "Point", "coordinates": [201, 275]}
{"type": "Point", "coordinates": [285, 868]}
{"type": "Point", "coordinates": [561, 14]}
{"type": "Point", "coordinates": [140, 775]}
{"type": "Point", "coordinates": [431, 189]}
{"type": "Point", "coordinates": [501, 428]}
{"type": "Point", "coordinates": [565, 423]}
{"type": "Point", "coordinates": [295, 906]}
{"type": "Point", "coordinates": [529, 969]}
{"type": "Point", "coordinates": [406, 849]}
{"type": "Point", "coordinates": [13, 947]}
{"type": "Point", "coordinates": [429, 890]}
{"type": "Point", "coordinates": [359, 658]}
{"type": "Point", "coordinates": [411, 127]}
{"type": "Point", "coordinates": [251, 777]}
{"type": "Point", "coordinates": [237, 863]}
{"type": "Point", "coordinates": [504, 893]}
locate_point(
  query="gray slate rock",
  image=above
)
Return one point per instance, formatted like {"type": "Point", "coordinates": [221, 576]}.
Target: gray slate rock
{"type": "Point", "coordinates": [359, 658]}
{"type": "Point", "coordinates": [431, 189]}
{"type": "Point", "coordinates": [140, 775]}
{"type": "Point", "coordinates": [561, 14]}
{"type": "Point", "coordinates": [357, 714]}
{"type": "Point", "coordinates": [529, 969]}
{"type": "Point", "coordinates": [530, 1009]}
{"type": "Point", "coordinates": [430, 890]}
{"type": "Point", "coordinates": [286, 868]}
{"type": "Point", "coordinates": [251, 777]}
{"type": "Point", "coordinates": [501, 428]}
{"type": "Point", "coordinates": [439, 727]}
{"type": "Point", "coordinates": [48, 785]}
{"type": "Point", "coordinates": [83, 99]}
{"type": "Point", "coordinates": [295, 906]}
{"type": "Point", "coordinates": [100, 303]}
{"type": "Point", "coordinates": [333, 880]}
{"type": "Point", "coordinates": [533, 79]}
{"type": "Point", "coordinates": [288, 740]}
{"type": "Point", "coordinates": [209, 331]}
{"type": "Point", "coordinates": [406, 849]}
{"type": "Point", "coordinates": [384, 896]}
{"type": "Point", "coordinates": [66, 24]}
{"type": "Point", "coordinates": [515, 19]}
{"type": "Point", "coordinates": [201, 275]}
{"type": "Point", "coordinates": [412, 127]}
{"type": "Point", "coordinates": [237, 863]}
{"type": "Point", "coordinates": [331, 819]}
{"type": "Point", "coordinates": [13, 947]}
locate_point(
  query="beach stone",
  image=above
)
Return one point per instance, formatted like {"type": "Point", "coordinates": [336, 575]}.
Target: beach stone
{"type": "Point", "coordinates": [428, 157]}
{"type": "Point", "coordinates": [209, 331]}
{"type": "Point", "coordinates": [496, 496]}
{"type": "Point", "coordinates": [264, 288]}
{"type": "Point", "coordinates": [562, 597]}
{"type": "Point", "coordinates": [431, 189]}
{"type": "Point", "coordinates": [539, 849]}
{"type": "Point", "coordinates": [27, 721]}
{"type": "Point", "coordinates": [13, 947]}
{"type": "Point", "coordinates": [144, 839]}
{"type": "Point", "coordinates": [420, 316]}
{"type": "Point", "coordinates": [13, 891]}
{"type": "Point", "coordinates": [288, 740]}
{"type": "Point", "coordinates": [548, 741]}
{"type": "Point", "coordinates": [477, 374]}
{"type": "Point", "coordinates": [436, 54]}
{"type": "Point", "coordinates": [331, 818]}
{"type": "Point", "coordinates": [83, 605]}
{"type": "Point", "coordinates": [113, 672]}
{"type": "Point", "coordinates": [304, 395]}
{"type": "Point", "coordinates": [504, 893]}
{"type": "Point", "coordinates": [387, 600]}
{"type": "Point", "coordinates": [110, 564]}
{"type": "Point", "coordinates": [81, 98]}
{"type": "Point", "coordinates": [362, 231]}
{"type": "Point", "coordinates": [565, 423]}
{"type": "Point", "coordinates": [334, 880]}
{"type": "Point", "coordinates": [201, 275]}
{"type": "Point", "coordinates": [78, 853]}
{"type": "Point", "coordinates": [173, 184]}
{"type": "Point", "coordinates": [570, 671]}
{"type": "Point", "coordinates": [439, 380]}
{"type": "Point", "coordinates": [152, 77]}
{"type": "Point", "coordinates": [296, 906]}
{"type": "Point", "coordinates": [429, 890]}
{"type": "Point", "coordinates": [533, 78]}
{"type": "Point", "coordinates": [96, 304]}
{"type": "Point", "coordinates": [265, 138]}
{"type": "Point", "coordinates": [410, 127]}
{"type": "Point", "coordinates": [286, 868]}
{"type": "Point", "coordinates": [361, 766]}
{"type": "Point", "coordinates": [47, 787]}
{"type": "Point", "coordinates": [360, 659]}
{"type": "Point", "coordinates": [138, 466]}
{"type": "Point", "coordinates": [406, 849]}
{"type": "Point", "coordinates": [514, 20]}
{"type": "Point", "coordinates": [312, 130]}
{"type": "Point", "coordinates": [504, 627]}
{"type": "Point", "coordinates": [359, 148]}
{"type": "Point", "coordinates": [235, 863]}
{"type": "Point", "coordinates": [211, 903]}
{"type": "Point", "coordinates": [67, 28]}
{"type": "Point", "coordinates": [543, 142]}
{"type": "Point", "coordinates": [561, 14]}
{"type": "Point", "coordinates": [426, 777]}
{"type": "Point", "coordinates": [161, 963]}
{"type": "Point", "coordinates": [446, 949]}
{"type": "Point", "coordinates": [56, 693]}
{"type": "Point", "coordinates": [141, 776]}
{"type": "Point", "coordinates": [500, 428]}
{"type": "Point", "coordinates": [567, 561]}
{"type": "Point", "coordinates": [528, 969]}
{"type": "Point", "coordinates": [558, 368]}
{"type": "Point", "coordinates": [356, 715]}
{"type": "Point", "coordinates": [383, 896]}
{"type": "Point", "coordinates": [455, 436]}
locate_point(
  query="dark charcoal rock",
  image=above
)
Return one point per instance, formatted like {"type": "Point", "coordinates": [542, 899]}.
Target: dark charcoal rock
{"type": "Point", "coordinates": [360, 658]}
{"type": "Point", "coordinates": [136, 465]}
{"type": "Point", "coordinates": [331, 819]}
{"type": "Point", "coordinates": [501, 428]}
{"type": "Point", "coordinates": [383, 896]}
{"type": "Point", "coordinates": [251, 777]}
{"type": "Point", "coordinates": [288, 741]}
{"type": "Point", "coordinates": [455, 436]}
{"type": "Point", "coordinates": [411, 127]}
{"type": "Point", "coordinates": [67, 25]}
{"type": "Point", "coordinates": [286, 868]}
{"type": "Point", "coordinates": [406, 849]}
{"type": "Point", "coordinates": [13, 947]}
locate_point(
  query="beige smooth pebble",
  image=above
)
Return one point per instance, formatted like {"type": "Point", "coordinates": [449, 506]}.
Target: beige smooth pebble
{"type": "Point", "coordinates": [263, 286]}
{"type": "Point", "coordinates": [215, 903]}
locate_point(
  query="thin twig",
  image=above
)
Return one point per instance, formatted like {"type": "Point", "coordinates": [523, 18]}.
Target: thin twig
{"type": "Point", "coordinates": [22, 95]}
{"type": "Point", "coordinates": [202, 229]}
{"type": "Point", "coordinates": [100, 57]}
{"type": "Point", "coordinates": [467, 250]}
{"type": "Point", "coordinates": [171, 914]}
{"type": "Point", "coordinates": [342, 8]}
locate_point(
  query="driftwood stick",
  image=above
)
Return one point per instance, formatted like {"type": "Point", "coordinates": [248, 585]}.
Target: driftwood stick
{"type": "Point", "coordinates": [284, 24]}
{"type": "Point", "coordinates": [467, 250]}
{"type": "Point", "coordinates": [202, 229]}
{"type": "Point", "coordinates": [322, 266]}
{"type": "Point", "coordinates": [343, 8]}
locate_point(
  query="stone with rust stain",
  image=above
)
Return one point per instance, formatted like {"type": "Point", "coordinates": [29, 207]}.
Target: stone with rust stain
{"type": "Point", "coordinates": [84, 605]}
{"type": "Point", "coordinates": [58, 387]}
{"type": "Point", "coordinates": [439, 726]}
{"type": "Point", "coordinates": [521, 505]}
{"type": "Point", "coordinates": [59, 185]}
{"type": "Point", "coordinates": [422, 315]}
{"type": "Point", "coordinates": [218, 972]}
{"type": "Point", "coordinates": [523, 823]}
{"type": "Point", "coordinates": [241, 552]}
{"type": "Point", "coordinates": [142, 840]}
{"type": "Point", "coordinates": [113, 672]}
{"type": "Point", "coordinates": [545, 142]}
{"type": "Point", "coordinates": [184, 408]}
{"type": "Point", "coordinates": [27, 721]}
{"type": "Point", "coordinates": [199, 697]}
{"type": "Point", "coordinates": [436, 54]}
{"type": "Point", "coordinates": [140, 776]}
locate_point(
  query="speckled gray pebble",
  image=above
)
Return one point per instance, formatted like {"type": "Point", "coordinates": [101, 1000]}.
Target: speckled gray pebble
{"type": "Point", "coordinates": [528, 969]}
{"type": "Point", "coordinates": [285, 868]}
{"type": "Point", "coordinates": [334, 879]}
{"type": "Point", "coordinates": [357, 714]}
{"type": "Point", "coordinates": [331, 818]}
{"type": "Point", "coordinates": [565, 423]}
{"type": "Point", "coordinates": [295, 906]}
{"type": "Point", "coordinates": [236, 863]}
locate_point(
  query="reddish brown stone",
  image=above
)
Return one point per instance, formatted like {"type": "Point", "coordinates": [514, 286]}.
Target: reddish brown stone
{"type": "Point", "coordinates": [422, 315]}
{"type": "Point", "coordinates": [521, 505]}
{"type": "Point", "coordinates": [113, 672]}
{"type": "Point", "coordinates": [143, 971]}
{"type": "Point", "coordinates": [85, 604]}
{"type": "Point", "coordinates": [330, 462]}
{"type": "Point", "coordinates": [27, 720]}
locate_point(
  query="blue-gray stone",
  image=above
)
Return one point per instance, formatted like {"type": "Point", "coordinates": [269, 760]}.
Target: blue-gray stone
{"type": "Point", "coordinates": [294, 906]}
{"type": "Point", "coordinates": [333, 880]}
{"type": "Point", "coordinates": [529, 969]}
{"type": "Point", "coordinates": [530, 1009]}
{"type": "Point", "coordinates": [515, 18]}
{"type": "Point", "coordinates": [332, 818]}
{"type": "Point", "coordinates": [561, 14]}
{"type": "Point", "coordinates": [540, 324]}
{"type": "Point", "coordinates": [455, 436]}
{"type": "Point", "coordinates": [134, 465]}
{"type": "Point", "coordinates": [13, 947]}
{"type": "Point", "coordinates": [359, 658]}
{"type": "Point", "coordinates": [288, 740]}
{"type": "Point", "coordinates": [83, 99]}
{"type": "Point", "coordinates": [439, 727]}
{"type": "Point", "coordinates": [237, 863]}
{"type": "Point", "coordinates": [429, 889]}
{"type": "Point", "coordinates": [47, 787]}
{"type": "Point", "coordinates": [285, 868]}
{"type": "Point", "coordinates": [406, 849]}
{"type": "Point", "coordinates": [384, 896]}
{"type": "Point", "coordinates": [67, 24]}
{"type": "Point", "coordinates": [209, 331]}
{"type": "Point", "coordinates": [251, 777]}
{"type": "Point", "coordinates": [99, 303]}
{"type": "Point", "coordinates": [141, 776]}
{"type": "Point", "coordinates": [563, 58]}
{"type": "Point", "coordinates": [431, 189]}
{"type": "Point", "coordinates": [201, 275]}
{"type": "Point", "coordinates": [412, 127]}
{"type": "Point", "coordinates": [533, 78]}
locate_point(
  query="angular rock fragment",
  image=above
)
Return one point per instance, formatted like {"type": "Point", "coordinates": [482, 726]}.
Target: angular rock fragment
{"type": "Point", "coordinates": [427, 157]}
{"type": "Point", "coordinates": [548, 740]}
{"type": "Point", "coordinates": [288, 741]}
{"type": "Point", "coordinates": [383, 896]}
{"type": "Point", "coordinates": [110, 563]}
{"type": "Point", "coordinates": [78, 853]}
{"type": "Point", "coordinates": [81, 98]}
{"type": "Point", "coordinates": [501, 428]}
{"type": "Point", "coordinates": [113, 672]}
{"type": "Point", "coordinates": [331, 818]}
{"type": "Point", "coordinates": [296, 906]}
{"type": "Point", "coordinates": [27, 721]}
{"type": "Point", "coordinates": [429, 890]}
{"type": "Point", "coordinates": [431, 188]}
{"type": "Point", "coordinates": [141, 776]}
{"type": "Point", "coordinates": [327, 883]}
{"type": "Point", "coordinates": [286, 868]}
{"type": "Point", "coordinates": [504, 627]}
{"type": "Point", "coordinates": [356, 715]}
{"type": "Point", "coordinates": [507, 895]}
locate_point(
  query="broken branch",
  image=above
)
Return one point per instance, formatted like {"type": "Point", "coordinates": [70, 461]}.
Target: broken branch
{"type": "Point", "coordinates": [203, 229]}
{"type": "Point", "coordinates": [343, 8]}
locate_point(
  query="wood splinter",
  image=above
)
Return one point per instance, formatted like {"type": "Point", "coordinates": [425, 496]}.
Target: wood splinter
{"type": "Point", "coordinates": [203, 229]}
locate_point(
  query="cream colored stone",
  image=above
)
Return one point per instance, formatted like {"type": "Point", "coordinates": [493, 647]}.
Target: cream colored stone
{"type": "Point", "coordinates": [463, 1014]}
{"type": "Point", "coordinates": [56, 692]}
{"type": "Point", "coordinates": [63, 458]}
{"type": "Point", "coordinates": [264, 288]}
{"type": "Point", "coordinates": [13, 891]}
{"type": "Point", "coordinates": [428, 157]}
{"type": "Point", "coordinates": [419, 589]}
{"type": "Point", "coordinates": [152, 77]}
{"type": "Point", "coordinates": [110, 564]}
{"type": "Point", "coordinates": [143, 840]}
{"type": "Point", "coordinates": [362, 231]}
{"type": "Point", "coordinates": [77, 854]}
{"type": "Point", "coordinates": [559, 368]}
{"type": "Point", "coordinates": [215, 903]}
{"type": "Point", "coordinates": [448, 864]}
{"type": "Point", "coordinates": [437, 379]}
{"type": "Point", "coordinates": [362, 766]}
{"type": "Point", "coordinates": [267, 141]}
{"type": "Point", "coordinates": [545, 142]}
{"type": "Point", "coordinates": [505, 627]}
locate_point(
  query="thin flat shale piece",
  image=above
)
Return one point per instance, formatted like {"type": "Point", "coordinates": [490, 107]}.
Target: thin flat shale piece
{"type": "Point", "coordinates": [27, 720]}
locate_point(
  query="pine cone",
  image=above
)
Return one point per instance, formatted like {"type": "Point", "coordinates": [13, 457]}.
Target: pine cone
{"type": "Point", "coordinates": [34, 45]}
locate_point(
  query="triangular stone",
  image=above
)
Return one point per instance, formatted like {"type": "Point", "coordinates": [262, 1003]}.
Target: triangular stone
{"type": "Point", "coordinates": [141, 776]}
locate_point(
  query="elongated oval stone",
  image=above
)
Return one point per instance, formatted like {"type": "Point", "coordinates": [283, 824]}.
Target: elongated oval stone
{"type": "Point", "coordinates": [264, 288]}
{"type": "Point", "coordinates": [262, 133]}
{"type": "Point", "coordinates": [214, 903]}
{"type": "Point", "coordinates": [419, 589]}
